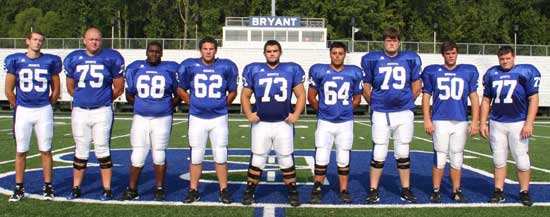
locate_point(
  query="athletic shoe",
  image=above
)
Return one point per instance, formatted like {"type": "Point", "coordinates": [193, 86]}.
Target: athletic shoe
{"type": "Point", "coordinates": [47, 192]}
{"type": "Point", "coordinates": [248, 196]}
{"type": "Point", "coordinates": [525, 199]}
{"type": "Point", "coordinates": [293, 196]}
{"type": "Point", "coordinates": [192, 196]}
{"type": "Point", "coordinates": [459, 197]}
{"type": "Point", "coordinates": [436, 196]}
{"type": "Point", "coordinates": [407, 195]}
{"type": "Point", "coordinates": [373, 196]}
{"type": "Point", "coordinates": [497, 197]}
{"type": "Point", "coordinates": [160, 195]}
{"type": "Point", "coordinates": [18, 194]}
{"type": "Point", "coordinates": [225, 196]}
{"type": "Point", "coordinates": [129, 194]}
{"type": "Point", "coordinates": [316, 193]}
{"type": "Point", "coordinates": [75, 193]}
{"type": "Point", "coordinates": [106, 195]}
{"type": "Point", "coordinates": [344, 197]}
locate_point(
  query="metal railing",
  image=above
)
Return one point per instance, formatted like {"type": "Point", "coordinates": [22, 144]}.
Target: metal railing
{"type": "Point", "coordinates": [358, 46]}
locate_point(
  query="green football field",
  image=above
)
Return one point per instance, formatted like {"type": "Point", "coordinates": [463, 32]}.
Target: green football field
{"type": "Point", "coordinates": [477, 150]}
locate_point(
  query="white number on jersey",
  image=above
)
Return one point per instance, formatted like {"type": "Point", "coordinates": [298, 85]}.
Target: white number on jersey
{"type": "Point", "coordinates": [499, 84]}
{"type": "Point", "coordinates": [537, 82]}
{"type": "Point", "coordinates": [202, 90]}
{"type": "Point", "coordinates": [154, 89]}
{"type": "Point", "coordinates": [93, 70]}
{"type": "Point", "coordinates": [452, 88]}
{"type": "Point", "coordinates": [29, 80]}
{"type": "Point", "coordinates": [268, 82]}
{"type": "Point", "coordinates": [332, 96]}
{"type": "Point", "coordinates": [399, 76]}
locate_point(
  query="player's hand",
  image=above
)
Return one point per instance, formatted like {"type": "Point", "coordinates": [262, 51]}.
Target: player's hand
{"type": "Point", "coordinates": [429, 127]}
{"type": "Point", "coordinates": [292, 118]}
{"type": "Point", "coordinates": [527, 131]}
{"type": "Point", "coordinates": [484, 130]}
{"type": "Point", "coordinates": [474, 130]}
{"type": "Point", "coordinates": [253, 117]}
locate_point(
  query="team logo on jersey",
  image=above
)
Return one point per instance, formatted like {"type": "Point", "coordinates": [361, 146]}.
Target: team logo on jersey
{"type": "Point", "coordinates": [262, 70]}
{"type": "Point", "coordinates": [80, 57]}
{"type": "Point", "coordinates": [141, 66]}
{"type": "Point", "coordinates": [382, 58]}
{"type": "Point", "coordinates": [328, 72]}
{"type": "Point", "coordinates": [22, 60]}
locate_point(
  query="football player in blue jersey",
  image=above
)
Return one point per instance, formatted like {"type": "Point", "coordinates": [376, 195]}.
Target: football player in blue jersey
{"type": "Point", "coordinates": [272, 116]}
{"type": "Point", "coordinates": [209, 85]}
{"type": "Point", "coordinates": [151, 87]}
{"type": "Point", "coordinates": [511, 97]}
{"type": "Point", "coordinates": [391, 84]}
{"type": "Point", "coordinates": [95, 77]}
{"type": "Point", "coordinates": [35, 78]}
{"type": "Point", "coordinates": [339, 88]}
{"type": "Point", "coordinates": [450, 85]}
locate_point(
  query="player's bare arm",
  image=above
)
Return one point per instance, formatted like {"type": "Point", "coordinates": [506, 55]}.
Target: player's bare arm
{"type": "Point", "coordinates": [118, 87]}
{"type": "Point", "coordinates": [300, 93]}
{"type": "Point", "coordinates": [184, 95]}
{"type": "Point", "coordinates": [474, 126]}
{"type": "Point", "coordinates": [56, 89]}
{"type": "Point", "coordinates": [175, 100]}
{"type": "Point", "coordinates": [9, 87]}
{"type": "Point", "coordinates": [70, 86]}
{"type": "Point", "coordinates": [312, 98]}
{"type": "Point", "coordinates": [527, 130]}
{"type": "Point", "coordinates": [428, 125]}
{"type": "Point", "coordinates": [231, 97]}
{"type": "Point", "coordinates": [356, 101]}
{"type": "Point", "coordinates": [484, 116]}
{"type": "Point", "coordinates": [131, 98]}
{"type": "Point", "coordinates": [247, 107]}
{"type": "Point", "coordinates": [416, 86]}
{"type": "Point", "coordinates": [367, 91]}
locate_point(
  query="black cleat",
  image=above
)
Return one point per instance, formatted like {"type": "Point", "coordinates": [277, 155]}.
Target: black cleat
{"type": "Point", "coordinates": [192, 196]}
{"type": "Point", "coordinates": [129, 194]}
{"type": "Point", "coordinates": [293, 196]}
{"type": "Point", "coordinates": [525, 199]}
{"type": "Point", "coordinates": [344, 197]}
{"type": "Point", "coordinates": [47, 192]}
{"type": "Point", "coordinates": [458, 196]}
{"type": "Point", "coordinates": [225, 196]}
{"type": "Point", "coordinates": [316, 193]}
{"type": "Point", "coordinates": [106, 195]}
{"type": "Point", "coordinates": [407, 195]}
{"type": "Point", "coordinates": [373, 196]}
{"type": "Point", "coordinates": [497, 197]}
{"type": "Point", "coordinates": [436, 196]}
{"type": "Point", "coordinates": [248, 196]}
{"type": "Point", "coordinates": [75, 193]}
{"type": "Point", "coordinates": [159, 195]}
{"type": "Point", "coordinates": [18, 194]}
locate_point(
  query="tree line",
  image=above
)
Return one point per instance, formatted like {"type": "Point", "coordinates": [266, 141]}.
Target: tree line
{"type": "Point", "coordinates": [473, 21]}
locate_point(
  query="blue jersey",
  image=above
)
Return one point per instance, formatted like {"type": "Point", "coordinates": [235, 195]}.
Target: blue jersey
{"type": "Point", "coordinates": [450, 89]}
{"type": "Point", "coordinates": [208, 85]}
{"type": "Point", "coordinates": [509, 91]}
{"type": "Point", "coordinates": [152, 86]}
{"type": "Point", "coordinates": [336, 90]}
{"type": "Point", "coordinates": [391, 79]}
{"type": "Point", "coordinates": [272, 88]}
{"type": "Point", "coordinates": [33, 77]}
{"type": "Point", "coordinates": [93, 76]}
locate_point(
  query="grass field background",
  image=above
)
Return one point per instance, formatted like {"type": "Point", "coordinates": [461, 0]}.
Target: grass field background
{"type": "Point", "coordinates": [240, 138]}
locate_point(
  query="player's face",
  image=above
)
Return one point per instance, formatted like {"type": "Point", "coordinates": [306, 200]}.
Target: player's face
{"type": "Point", "coordinates": [391, 45]}
{"type": "Point", "coordinates": [92, 40]}
{"type": "Point", "coordinates": [337, 56]}
{"type": "Point", "coordinates": [208, 52]}
{"type": "Point", "coordinates": [154, 54]}
{"type": "Point", "coordinates": [450, 57]}
{"type": "Point", "coordinates": [35, 42]}
{"type": "Point", "coordinates": [506, 61]}
{"type": "Point", "coordinates": [272, 54]}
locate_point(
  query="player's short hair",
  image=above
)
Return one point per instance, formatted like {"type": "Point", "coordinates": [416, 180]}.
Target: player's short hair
{"type": "Point", "coordinates": [154, 43]}
{"type": "Point", "coordinates": [391, 33]}
{"type": "Point", "coordinates": [208, 39]}
{"type": "Point", "coordinates": [35, 32]}
{"type": "Point", "coordinates": [506, 50]}
{"type": "Point", "coordinates": [90, 28]}
{"type": "Point", "coordinates": [447, 46]}
{"type": "Point", "coordinates": [271, 43]}
{"type": "Point", "coordinates": [338, 44]}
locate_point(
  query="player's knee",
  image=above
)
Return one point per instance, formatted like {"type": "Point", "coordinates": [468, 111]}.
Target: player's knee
{"type": "Point", "coordinates": [220, 154]}
{"type": "Point", "coordinates": [322, 156]}
{"type": "Point", "coordinates": [105, 163]}
{"type": "Point", "coordinates": [258, 161]}
{"type": "Point", "coordinates": [456, 160]}
{"type": "Point", "coordinates": [440, 159]}
{"type": "Point", "coordinates": [289, 173]}
{"type": "Point", "coordinates": [197, 155]}
{"type": "Point", "coordinates": [102, 151]}
{"type": "Point", "coordinates": [254, 173]}
{"type": "Point", "coordinates": [403, 163]}
{"type": "Point", "coordinates": [379, 152]}
{"type": "Point", "coordinates": [79, 164]}
{"type": "Point", "coordinates": [377, 164]}
{"type": "Point", "coordinates": [343, 171]}
{"type": "Point", "coordinates": [45, 147]}
{"type": "Point", "coordinates": [401, 150]}
{"type": "Point", "coordinates": [159, 157]}
{"type": "Point", "coordinates": [342, 158]}
{"type": "Point", "coordinates": [285, 161]}
{"type": "Point", "coordinates": [523, 163]}
{"type": "Point", "coordinates": [499, 161]}
{"type": "Point", "coordinates": [320, 170]}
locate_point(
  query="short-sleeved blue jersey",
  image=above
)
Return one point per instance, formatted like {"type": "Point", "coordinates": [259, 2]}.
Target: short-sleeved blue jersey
{"type": "Point", "coordinates": [391, 79]}
{"type": "Point", "coordinates": [152, 86]}
{"type": "Point", "coordinates": [93, 76]}
{"type": "Point", "coordinates": [450, 89]}
{"type": "Point", "coordinates": [33, 77]}
{"type": "Point", "coordinates": [208, 85]}
{"type": "Point", "coordinates": [272, 88]}
{"type": "Point", "coordinates": [509, 91]}
{"type": "Point", "coordinates": [336, 90]}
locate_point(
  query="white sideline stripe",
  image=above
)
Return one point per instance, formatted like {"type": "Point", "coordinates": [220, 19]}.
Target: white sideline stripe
{"type": "Point", "coordinates": [544, 137]}
{"type": "Point", "coordinates": [269, 211]}
{"type": "Point", "coordinates": [5, 130]}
